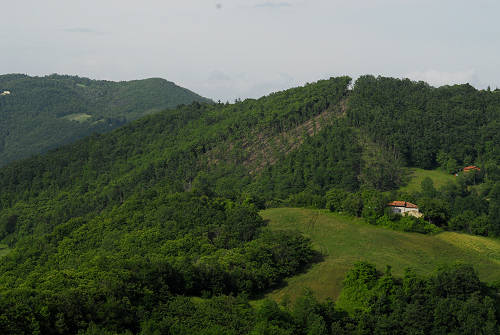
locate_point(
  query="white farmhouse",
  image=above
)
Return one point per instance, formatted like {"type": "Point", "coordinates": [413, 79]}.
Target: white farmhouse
{"type": "Point", "coordinates": [405, 208]}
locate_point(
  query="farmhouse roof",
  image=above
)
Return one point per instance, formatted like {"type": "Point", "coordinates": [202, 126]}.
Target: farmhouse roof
{"type": "Point", "coordinates": [471, 167]}
{"type": "Point", "coordinates": [405, 204]}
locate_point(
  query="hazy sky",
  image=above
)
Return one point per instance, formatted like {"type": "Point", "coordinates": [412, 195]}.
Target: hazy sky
{"type": "Point", "coordinates": [226, 49]}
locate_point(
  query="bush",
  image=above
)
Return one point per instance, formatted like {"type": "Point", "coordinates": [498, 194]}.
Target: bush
{"type": "Point", "coordinates": [305, 199]}
{"type": "Point", "coordinates": [352, 204]}
{"type": "Point", "coordinates": [407, 224]}
{"type": "Point", "coordinates": [334, 198]}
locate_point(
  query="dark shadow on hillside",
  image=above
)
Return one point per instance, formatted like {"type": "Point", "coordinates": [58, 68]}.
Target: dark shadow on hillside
{"type": "Point", "coordinates": [405, 177]}
{"type": "Point", "coordinates": [318, 257]}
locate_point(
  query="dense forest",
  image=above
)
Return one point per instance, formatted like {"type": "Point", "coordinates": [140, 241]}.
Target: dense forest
{"type": "Point", "coordinates": [42, 113]}
{"type": "Point", "coordinates": [153, 228]}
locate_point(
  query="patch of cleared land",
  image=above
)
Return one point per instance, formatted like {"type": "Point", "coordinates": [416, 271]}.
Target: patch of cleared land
{"type": "Point", "coordinates": [416, 176]}
{"type": "Point", "coordinates": [4, 250]}
{"type": "Point", "coordinates": [78, 117]}
{"type": "Point", "coordinates": [344, 240]}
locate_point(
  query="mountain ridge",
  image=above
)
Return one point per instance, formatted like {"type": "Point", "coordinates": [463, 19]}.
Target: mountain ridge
{"type": "Point", "coordinates": [42, 113]}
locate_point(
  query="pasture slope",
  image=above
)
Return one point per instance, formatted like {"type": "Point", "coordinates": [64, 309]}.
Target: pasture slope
{"type": "Point", "coordinates": [344, 240]}
{"type": "Point", "coordinates": [416, 176]}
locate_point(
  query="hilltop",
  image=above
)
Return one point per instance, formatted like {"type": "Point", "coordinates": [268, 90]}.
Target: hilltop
{"type": "Point", "coordinates": [41, 113]}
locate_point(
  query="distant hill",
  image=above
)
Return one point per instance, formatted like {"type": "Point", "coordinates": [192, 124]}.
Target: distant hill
{"type": "Point", "coordinates": [41, 113]}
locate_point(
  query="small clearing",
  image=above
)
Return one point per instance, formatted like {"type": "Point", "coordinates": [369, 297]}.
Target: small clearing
{"type": "Point", "coordinates": [4, 250]}
{"type": "Point", "coordinates": [77, 117]}
{"type": "Point", "coordinates": [416, 176]}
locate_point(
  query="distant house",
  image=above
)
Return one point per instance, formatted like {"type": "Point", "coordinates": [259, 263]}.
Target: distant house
{"type": "Point", "coordinates": [471, 168]}
{"type": "Point", "coordinates": [5, 93]}
{"type": "Point", "coordinates": [405, 208]}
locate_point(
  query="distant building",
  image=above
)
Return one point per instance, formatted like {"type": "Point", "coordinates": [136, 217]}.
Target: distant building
{"type": "Point", "coordinates": [5, 93]}
{"type": "Point", "coordinates": [405, 208]}
{"type": "Point", "coordinates": [470, 168]}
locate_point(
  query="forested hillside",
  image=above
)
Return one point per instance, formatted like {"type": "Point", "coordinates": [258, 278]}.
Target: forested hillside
{"type": "Point", "coordinates": [449, 126]}
{"type": "Point", "coordinates": [42, 113]}
{"type": "Point", "coordinates": [119, 231]}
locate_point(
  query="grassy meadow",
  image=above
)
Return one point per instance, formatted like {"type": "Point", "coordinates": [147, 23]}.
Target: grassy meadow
{"type": "Point", "coordinates": [344, 240]}
{"type": "Point", "coordinates": [4, 249]}
{"type": "Point", "coordinates": [415, 177]}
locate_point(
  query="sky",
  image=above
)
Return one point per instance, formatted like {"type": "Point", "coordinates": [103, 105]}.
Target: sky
{"type": "Point", "coordinates": [228, 49]}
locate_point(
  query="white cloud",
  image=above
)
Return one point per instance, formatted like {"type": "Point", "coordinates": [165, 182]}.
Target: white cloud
{"type": "Point", "coordinates": [218, 76]}
{"type": "Point", "coordinates": [440, 78]}
{"type": "Point", "coordinates": [273, 4]}
{"type": "Point", "coordinates": [79, 30]}
{"type": "Point", "coordinates": [244, 85]}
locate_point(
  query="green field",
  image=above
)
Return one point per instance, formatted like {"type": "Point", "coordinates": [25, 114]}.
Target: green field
{"type": "Point", "coordinates": [345, 240]}
{"type": "Point", "coordinates": [415, 177]}
{"type": "Point", "coordinates": [78, 117]}
{"type": "Point", "coordinates": [4, 250]}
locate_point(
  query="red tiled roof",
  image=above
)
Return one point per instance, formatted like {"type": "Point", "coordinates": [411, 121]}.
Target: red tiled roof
{"type": "Point", "coordinates": [410, 205]}
{"type": "Point", "coordinates": [471, 167]}
{"type": "Point", "coordinates": [402, 204]}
